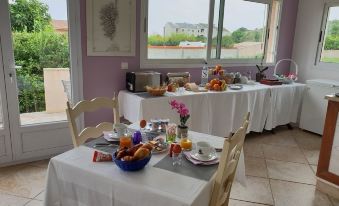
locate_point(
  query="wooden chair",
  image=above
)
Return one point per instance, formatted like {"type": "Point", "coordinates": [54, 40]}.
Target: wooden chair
{"type": "Point", "coordinates": [90, 106]}
{"type": "Point", "coordinates": [228, 165]}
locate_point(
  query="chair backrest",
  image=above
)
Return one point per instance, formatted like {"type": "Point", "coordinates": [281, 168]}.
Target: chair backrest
{"type": "Point", "coordinates": [90, 106]}
{"type": "Point", "coordinates": [67, 89]}
{"type": "Point", "coordinates": [228, 165]}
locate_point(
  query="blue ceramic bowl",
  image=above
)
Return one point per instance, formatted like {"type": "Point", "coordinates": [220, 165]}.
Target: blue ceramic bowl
{"type": "Point", "coordinates": [133, 165]}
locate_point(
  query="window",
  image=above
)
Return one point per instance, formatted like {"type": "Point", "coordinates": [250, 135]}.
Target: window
{"type": "Point", "coordinates": [328, 50]}
{"type": "Point", "coordinates": [232, 32]}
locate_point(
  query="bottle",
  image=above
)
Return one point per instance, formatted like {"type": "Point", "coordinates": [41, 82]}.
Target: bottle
{"type": "Point", "coordinates": [204, 75]}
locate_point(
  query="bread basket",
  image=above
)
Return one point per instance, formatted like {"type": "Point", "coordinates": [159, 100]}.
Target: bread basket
{"type": "Point", "coordinates": [132, 165]}
{"type": "Point", "coordinates": [156, 91]}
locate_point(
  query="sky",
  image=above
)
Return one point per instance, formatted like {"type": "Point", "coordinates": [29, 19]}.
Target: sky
{"type": "Point", "coordinates": [238, 13]}
{"type": "Point", "coordinates": [57, 8]}
{"type": "Point", "coordinates": [334, 13]}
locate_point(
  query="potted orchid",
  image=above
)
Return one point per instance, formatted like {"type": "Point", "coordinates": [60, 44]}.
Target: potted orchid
{"type": "Point", "coordinates": [184, 116]}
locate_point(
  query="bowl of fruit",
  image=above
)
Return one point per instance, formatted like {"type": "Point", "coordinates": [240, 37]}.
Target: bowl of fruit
{"type": "Point", "coordinates": [134, 158]}
{"type": "Point", "coordinates": [216, 85]}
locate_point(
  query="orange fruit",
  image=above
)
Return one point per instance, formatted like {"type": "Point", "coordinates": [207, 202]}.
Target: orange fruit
{"type": "Point", "coordinates": [143, 123]}
{"type": "Point", "coordinates": [214, 81]}
{"type": "Point", "coordinates": [216, 87]}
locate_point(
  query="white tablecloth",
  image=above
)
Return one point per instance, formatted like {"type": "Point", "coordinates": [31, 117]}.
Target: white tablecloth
{"type": "Point", "coordinates": [73, 179]}
{"type": "Point", "coordinates": [284, 105]}
{"type": "Point", "coordinates": [220, 113]}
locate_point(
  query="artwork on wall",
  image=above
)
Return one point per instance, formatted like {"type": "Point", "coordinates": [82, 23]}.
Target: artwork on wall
{"type": "Point", "coordinates": [110, 27]}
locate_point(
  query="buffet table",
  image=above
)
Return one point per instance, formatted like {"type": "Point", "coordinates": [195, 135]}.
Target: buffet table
{"type": "Point", "coordinates": [73, 179]}
{"type": "Point", "coordinates": [220, 113]}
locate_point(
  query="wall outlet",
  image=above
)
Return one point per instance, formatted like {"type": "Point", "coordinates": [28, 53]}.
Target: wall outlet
{"type": "Point", "coordinates": [124, 65]}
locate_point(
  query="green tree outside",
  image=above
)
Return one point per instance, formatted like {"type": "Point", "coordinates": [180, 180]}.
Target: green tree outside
{"type": "Point", "coordinates": [36, 46]}
{"type": "Point", "coordinates": [29, 16]}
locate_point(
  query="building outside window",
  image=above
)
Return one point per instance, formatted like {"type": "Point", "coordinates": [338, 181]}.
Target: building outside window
{"type": "Point", "coordinates": [219, 31]}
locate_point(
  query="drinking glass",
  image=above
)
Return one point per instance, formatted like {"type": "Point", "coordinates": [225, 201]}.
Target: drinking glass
{"type": "Point", "coordinates": [186, 143]}
{"type": "Point", "coordinates": [125, 141]}
{"type": "Point", "coordinates": [171, 132]}
{"type": "Point", "coordinates": [176, 157]}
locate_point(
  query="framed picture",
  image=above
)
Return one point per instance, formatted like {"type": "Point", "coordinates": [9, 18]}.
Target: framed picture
{"type": "Point", "coordinates": [110, 27]}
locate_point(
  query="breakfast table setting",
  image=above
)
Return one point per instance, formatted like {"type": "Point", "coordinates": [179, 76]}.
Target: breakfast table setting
{"type": "Point", "coordinates": [146, 163]}
{"type": "Point", "coordinates": [73, 179]}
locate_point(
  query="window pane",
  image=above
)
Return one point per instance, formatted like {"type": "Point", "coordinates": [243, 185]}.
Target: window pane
{"type": "Point", "coordinates": [41, 48]}
{"type": "Point", "coordinates": [330, 52]}
{"type": "Point", "coordinates": [244, 29]}
{"type": "Point", "coordinates": [176, 31]}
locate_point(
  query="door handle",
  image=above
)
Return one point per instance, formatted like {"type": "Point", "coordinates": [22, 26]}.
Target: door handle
{"type": "Point", "coordinates": [11, 74]}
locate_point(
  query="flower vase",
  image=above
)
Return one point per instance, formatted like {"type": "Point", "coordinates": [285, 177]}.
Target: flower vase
{"type": "Point", "coordinates": [182, 131]}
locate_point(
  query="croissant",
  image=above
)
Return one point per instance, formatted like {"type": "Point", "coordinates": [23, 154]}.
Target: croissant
{"type": "Point", "coordinates": [148, 146]}
{"type": "Point", "coordinates": [132, 150]}
{"type": "Point", "coordinates": [128, 158]}
{"type": "Point", "coordinates": [141, 153]}
{"type": "Point", "coordinates": [121, 154]}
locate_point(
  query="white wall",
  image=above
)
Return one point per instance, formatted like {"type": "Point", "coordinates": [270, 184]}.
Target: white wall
{"type": "Point", "coordinates": [310, 13]}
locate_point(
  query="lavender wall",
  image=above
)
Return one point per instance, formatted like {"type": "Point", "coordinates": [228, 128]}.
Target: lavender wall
{"type": "Point", "coordinates": [102, 76]}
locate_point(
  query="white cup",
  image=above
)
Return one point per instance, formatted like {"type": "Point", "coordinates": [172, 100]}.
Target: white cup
{"type": "Point", "coordinates": [120, 129]}
{"type": "Point", "coordinates": [204, 149]}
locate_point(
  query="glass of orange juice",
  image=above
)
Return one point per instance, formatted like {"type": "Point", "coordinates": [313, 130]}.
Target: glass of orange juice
{"type": "Point", "coordinates": [186, 144]}
{"type": "Point", "coordinates": [125, 141]}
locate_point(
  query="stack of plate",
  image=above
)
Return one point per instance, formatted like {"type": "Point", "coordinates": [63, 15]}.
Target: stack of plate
{"type": "Point", "coordinates": [197, 159]}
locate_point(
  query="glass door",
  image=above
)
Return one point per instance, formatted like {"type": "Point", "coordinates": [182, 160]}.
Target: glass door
{"type": "Point", "coordinates": [37, 72]}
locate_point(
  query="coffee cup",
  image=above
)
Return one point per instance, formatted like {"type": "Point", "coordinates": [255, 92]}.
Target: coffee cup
{"type": "Point", "coordinates": [120, 129]}
{"type": "Point", "coordinates": [204, 149]}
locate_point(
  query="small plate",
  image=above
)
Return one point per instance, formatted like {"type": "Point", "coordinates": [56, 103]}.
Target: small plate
{"type": "Point", "coordinates": [162, 145]}
{"type": "Point", "coordinates": [111, 136]}
{"type": "Point", "coordinates": [236, 87]}
{"type": "Point", "coordinates": [198, 157]}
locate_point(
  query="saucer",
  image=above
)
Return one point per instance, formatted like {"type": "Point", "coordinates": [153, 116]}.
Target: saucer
{"type": "Point", "coordinates": [236, 87]}
{"type": "Point", "coordinates": [198, 157]}
{"type": "Point", "coordinates": [111, 136]}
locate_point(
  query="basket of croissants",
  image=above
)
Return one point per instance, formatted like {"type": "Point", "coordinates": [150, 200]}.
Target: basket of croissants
{"type": "Point", "coordinates": [134, 158]}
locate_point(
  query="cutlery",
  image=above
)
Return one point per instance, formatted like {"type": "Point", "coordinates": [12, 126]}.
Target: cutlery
{"type": "Point", "coordinates": [218, 149]}
{"type": "Point", "coordinates": [106, 144]}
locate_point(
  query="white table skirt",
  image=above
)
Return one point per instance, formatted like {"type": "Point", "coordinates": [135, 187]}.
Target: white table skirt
{"type": "Point", "coordinates": [220, 113]}
{"type": "Point", "coordinates": [73, 179]}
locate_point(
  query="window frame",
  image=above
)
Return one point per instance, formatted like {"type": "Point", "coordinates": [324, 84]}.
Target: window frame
{"type": "Point", "coordinates": [146, 63]}
{"type": "Point", "coordinates": [321, 39]}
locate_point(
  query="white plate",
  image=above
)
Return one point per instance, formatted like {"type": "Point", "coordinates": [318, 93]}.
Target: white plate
{"type": "Point", "coordinates": [198, 157]}
{"type": "Point", "coordinates": [164, 148]}
{"type": "Point", "coordinates": [110, 136]}
{"type": "Point", "coordinates": [236, 87]}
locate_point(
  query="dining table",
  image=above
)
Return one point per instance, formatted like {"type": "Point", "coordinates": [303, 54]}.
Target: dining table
{"type": "Point", "coordinates": [74, 179]}
{"type": "Point", "coordinates": [220, 113]}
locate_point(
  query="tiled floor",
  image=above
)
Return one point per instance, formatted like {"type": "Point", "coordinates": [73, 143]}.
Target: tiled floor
{"type": "Point", "coordinates": [280, 171]}
{"type": "Point", "coordinates": [23, 184]}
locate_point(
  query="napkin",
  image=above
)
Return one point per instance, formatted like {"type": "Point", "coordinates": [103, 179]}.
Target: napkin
{"type": "Point", "coordinates": [197, 162]}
